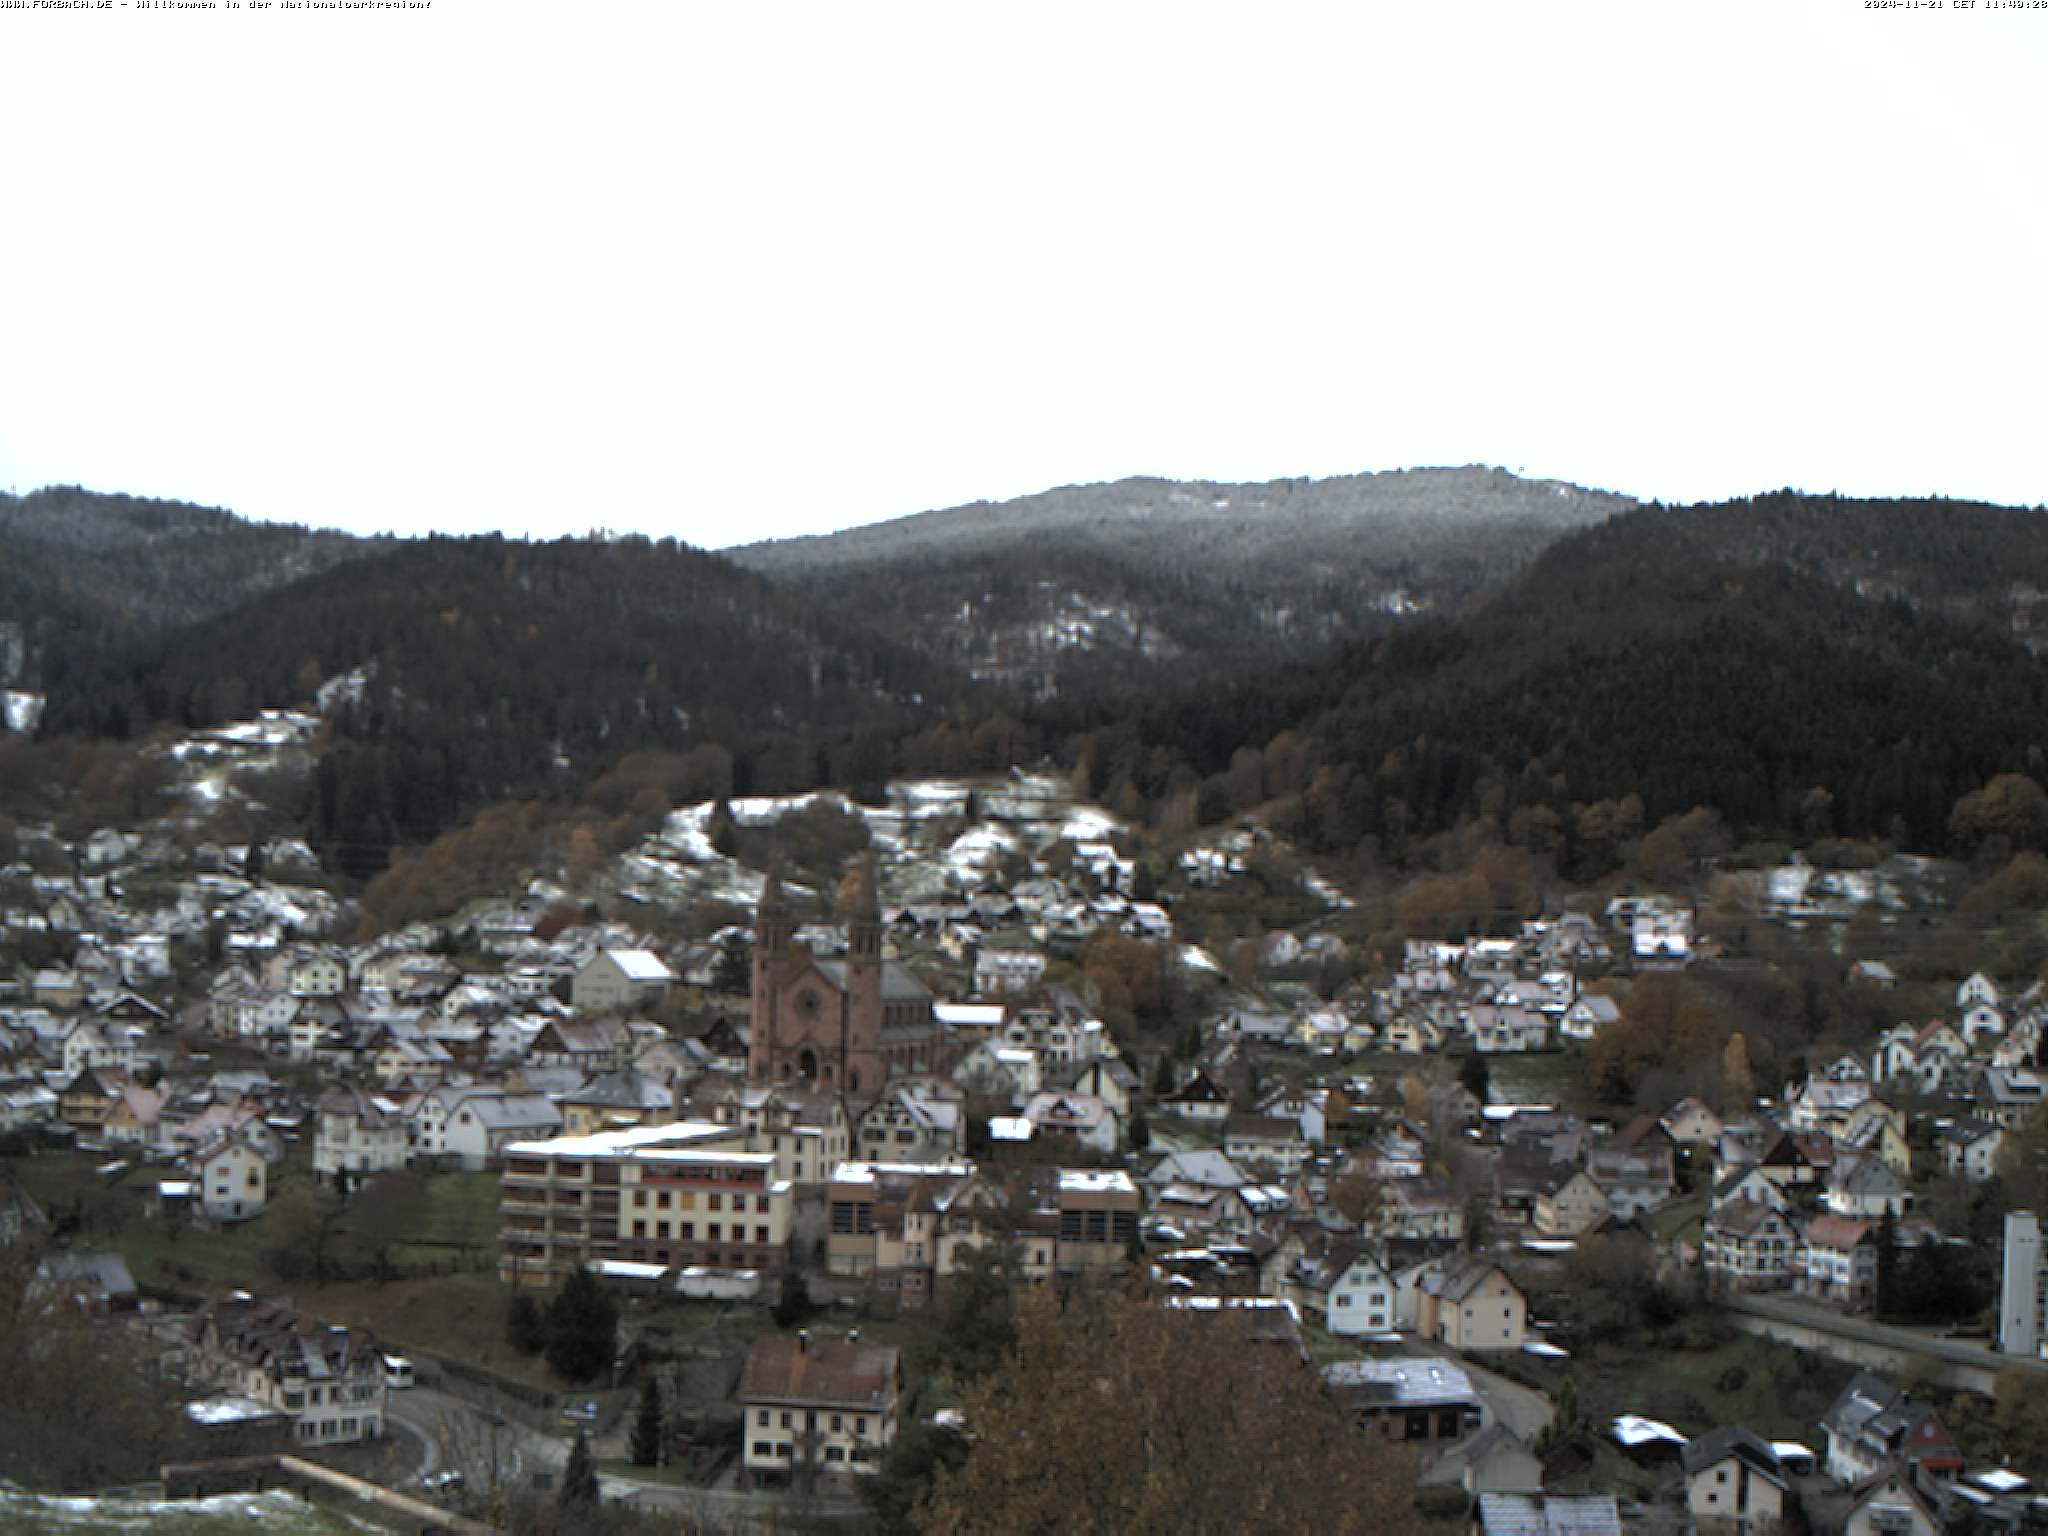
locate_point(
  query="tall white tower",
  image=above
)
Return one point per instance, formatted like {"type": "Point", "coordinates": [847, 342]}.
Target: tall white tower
{"type": "Point", "coordinates": [2019, 1291]}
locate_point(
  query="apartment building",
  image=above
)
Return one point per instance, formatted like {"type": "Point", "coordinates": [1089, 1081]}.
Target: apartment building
{"type": "Point", "coordinates": [674, 1195]}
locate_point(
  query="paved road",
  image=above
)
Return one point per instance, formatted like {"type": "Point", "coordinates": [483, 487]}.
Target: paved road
{"type": "Point", "coordinates": [1827, 1320]}
{"type": "Point", "coordinates": [462, 1436]}
{"type": "Point", "coordinates": [406, 1413]}
{"type": "Point", "coordinates": [1523, 1410]}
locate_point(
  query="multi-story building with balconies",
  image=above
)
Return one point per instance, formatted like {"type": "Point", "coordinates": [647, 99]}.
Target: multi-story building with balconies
{"type": "Point", "coordinates": [673, 1195]}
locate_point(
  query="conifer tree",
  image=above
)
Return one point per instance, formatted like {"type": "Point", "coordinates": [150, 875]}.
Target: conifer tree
{"type": "Point", "coordinates": [579, 1478]}
{"type": "Point", "coordinates": [645, 1446]}
{"type": "Point", "coordinates": [582, 1328]}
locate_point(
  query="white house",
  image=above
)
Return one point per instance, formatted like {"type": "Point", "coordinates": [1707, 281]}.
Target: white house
{"type": "Point", "coordinates": [482, 1125]}
{"type": "Point", "coordinates": [233, 1181]}
{"type": "Point", "coordinates": [357, 1134]}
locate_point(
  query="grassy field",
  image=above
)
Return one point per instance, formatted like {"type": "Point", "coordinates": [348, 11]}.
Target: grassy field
{"type": "Point", "coordinates": [1778, 1392]}
{"type": "Point", "coordinates": [462, 1315]}
{"type": "Point", "coordinates": [456, 1229]}
{"type": "Point", "coordinates": [462, 1208]}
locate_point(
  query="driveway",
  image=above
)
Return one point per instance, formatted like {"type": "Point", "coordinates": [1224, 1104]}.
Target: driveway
{"type": "Point", "coordinates": [1523, 1410]}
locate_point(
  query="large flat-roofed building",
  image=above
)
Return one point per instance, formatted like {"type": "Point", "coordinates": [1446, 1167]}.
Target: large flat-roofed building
{"type": "Point", "coordinates": [674, 1195]}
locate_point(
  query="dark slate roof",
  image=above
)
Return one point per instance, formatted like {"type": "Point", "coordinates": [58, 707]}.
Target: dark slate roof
{"type": "Point", "coordinates": [1731, 1440]}
{"type": "Point", "coordinates": [899, 985]}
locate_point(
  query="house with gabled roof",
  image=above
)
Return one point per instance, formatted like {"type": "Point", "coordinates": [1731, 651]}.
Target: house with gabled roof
{"type": "Point", "coordinates": [1493, 1461]}
{"type": "Point", "coordinates": [920, 1120]}
{"type": "Point", "coordinates": [590, 1045]}
{"type": "Point", "coordinates": [1734, 1483]}
{"type": "Point", "coordinates": [1980, 1024]}
{"type": "Point", "coordinates": [1866, 1187]}
{"type": "Point", "coordinates": [2007, 1095]}
{"type": "Point", "coordinates": [1788, 1162]}
{"type": "Point", "coordinates": [1346, 1287]}
{"type": "Point", "coordinates": [99, 1044]}
{"type": "Point", "coordinates": [1825, 1103]}
{"type": "Point", "coordinates": [1879, 1128]}
{"type": "Point", "coordinates": [621, 981]}
{"type": "Point", "coordinates": [1200, 1169]}
{"type": "Point", "coordinates": [811, 1402]}
{"type": "Point", "coordinates": [1692, 1123]}
{"type": "Point", "coordinates": [1969, 1149]}
{"type": "Point", "coordinates": [357, 1135]}
{"type": "Point", "coordinates": [1200, 1098]}
{"type": "Point", "coordinates": [1422, 1209]}
{"type": "Point", "coordinates": [1841, 1260]}
{"type": "Point", "coordinates": [1075, 1119]}
{"type": "Point", "coordinates": [1977, 991]}
{"type": "Point", "coordinates": [1571, 1207]}
{"type": "Point", "coordinates": [1747, 1245]}
{"type": "Point", "coordinates": [132, 1119]}
{"type": "Point", "coordinates": [483, 1124]}
{"type": "Point", "coordinates": [1889, 1504]}
{"type": "Point", "coordinates": [234, 1183]}
{"type": "Point", "coordinates": [1872, 1425]}
{"type": "Point", "coordinates": [1474, 1305]}
{"type": "Point", "coordinates": [1633, 1178]}
{"type": "Point", "coordinates": [1267, 1142]}
{"type": "Point", "coordinates": [611, 1101]}
{"type": "Point", "coordinates": [328, 1380]}
{"type": "Point", "coordinates": [86, 1100]}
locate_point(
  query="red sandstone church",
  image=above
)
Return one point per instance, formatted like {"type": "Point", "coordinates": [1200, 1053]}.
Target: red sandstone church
{"type": "Point", "coordinates": [841, 1026]}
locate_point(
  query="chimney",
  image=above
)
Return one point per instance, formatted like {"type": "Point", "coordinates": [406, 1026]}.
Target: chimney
{"type": "Point", "coordinates": [803, 1341]}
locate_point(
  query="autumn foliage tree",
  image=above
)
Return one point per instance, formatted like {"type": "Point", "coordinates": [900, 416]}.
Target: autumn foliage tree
{"type": "Point", "coordinates": [1668, 1027]}
{"type": "Point", "coordinates": [2011, 807]}
{"type": "Point", "coordinates": [1117, 1413]}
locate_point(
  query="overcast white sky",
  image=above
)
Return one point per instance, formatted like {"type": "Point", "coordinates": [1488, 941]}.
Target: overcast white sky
{"type": "Point", "coordinates": [744, 271]}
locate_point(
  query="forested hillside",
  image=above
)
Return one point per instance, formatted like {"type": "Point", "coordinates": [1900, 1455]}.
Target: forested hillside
{"type": "Point", "coordinates": [85, 571]}
{"type": "Point", "coordinates": [1804, 667]}
{"type": "Point", "coordinates": [1135, 583]}
{"type": "Point", "coordinates": [474, 670]}
{"type": "Point", "coordinates": [1665, 660]}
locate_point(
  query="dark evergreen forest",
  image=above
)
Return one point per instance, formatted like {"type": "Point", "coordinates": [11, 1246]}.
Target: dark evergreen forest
{"type": "Point", "coordinates": [1807, 667]}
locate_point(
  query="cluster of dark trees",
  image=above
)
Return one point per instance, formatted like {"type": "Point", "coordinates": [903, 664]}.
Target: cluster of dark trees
{"type": "Point", "coordinates": [577, 1329]}
{"type": "Point", "coordinates": [1615, 669]}
{"type": "Point", "coordinates": [490, 669]}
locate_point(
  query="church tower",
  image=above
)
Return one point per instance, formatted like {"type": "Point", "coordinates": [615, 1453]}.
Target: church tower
{"type": "Point", "coordinates": [772, 930]}
{"type": "Point", "coordinates": [832, 1024]}
{"type": "Point", "coordinates": [864, 1016]}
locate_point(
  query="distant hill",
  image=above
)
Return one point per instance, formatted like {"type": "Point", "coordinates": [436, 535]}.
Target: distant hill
{"type": "Point", "coordinates": [1143, 580]}
{"type": "Point", "coordinates": [1741, 656]}
{"type": "Point", "coordinates": [83, 569]}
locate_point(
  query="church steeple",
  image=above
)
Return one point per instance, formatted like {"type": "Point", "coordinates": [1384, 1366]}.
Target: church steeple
{"type": "Point", "coordinates": [771, 915]}
{"type": "Point", "coordinates": [864, 915]}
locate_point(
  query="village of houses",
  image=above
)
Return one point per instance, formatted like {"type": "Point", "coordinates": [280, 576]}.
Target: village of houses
{"type": "Point", "coordinates": [869, 1096]}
